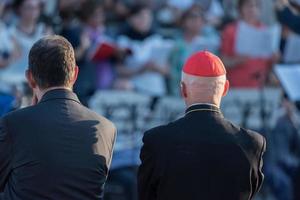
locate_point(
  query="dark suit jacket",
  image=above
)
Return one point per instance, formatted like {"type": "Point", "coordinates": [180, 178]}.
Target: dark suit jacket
{"type": "Point", "coordinates": [56, 150]}
{"type": "Point", "coordinates": [296, 184]}
{"type": "Point", "coordinates": [201, 156]}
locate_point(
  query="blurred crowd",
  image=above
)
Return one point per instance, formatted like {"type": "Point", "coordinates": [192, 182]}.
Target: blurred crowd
{"type": "Point", "coordinates": [130, 44]}
{"type": "Point", "coordinates": [141, 46]}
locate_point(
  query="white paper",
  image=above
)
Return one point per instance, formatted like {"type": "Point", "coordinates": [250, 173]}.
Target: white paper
{"type": "Point", "coordinates": [154, 48]}
{"type": "Point", "coordinates": [289, 76]}
{"type": "Point", "coordinates": [257, 42]}
{"type": "Point", "coordinates": [292, 49]}
{"type": "Point", "coordinates": [160, 51]}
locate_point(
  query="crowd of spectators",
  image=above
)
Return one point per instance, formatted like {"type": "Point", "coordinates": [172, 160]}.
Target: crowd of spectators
{"type": "Point", "coordinates": [146, 41]}
{"type": "Point", "coordinates": [144, 44]}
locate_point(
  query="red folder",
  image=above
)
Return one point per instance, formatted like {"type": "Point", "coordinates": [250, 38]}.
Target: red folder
{"type": "Point", "coordinates": [104, 51]}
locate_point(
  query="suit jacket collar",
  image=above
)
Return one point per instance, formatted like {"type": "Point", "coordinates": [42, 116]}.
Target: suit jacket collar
{"type": "Point", "coordinates": [59, 94]}
{"type": "Point", "coordinates": [202, 107]}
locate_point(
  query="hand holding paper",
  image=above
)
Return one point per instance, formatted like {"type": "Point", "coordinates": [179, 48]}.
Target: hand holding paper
{"type": "Point", "coordinates": [257, 42]}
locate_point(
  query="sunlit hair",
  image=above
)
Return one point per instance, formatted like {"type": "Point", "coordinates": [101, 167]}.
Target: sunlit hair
{"type": "Point", "coordinates": [52, 61]}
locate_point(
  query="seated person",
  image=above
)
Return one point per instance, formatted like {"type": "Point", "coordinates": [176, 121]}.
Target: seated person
{"type": "Point", "coordinates": [25, 32]}
{"type": "Point", "coordinates": [192, 39]}
{"type": "Point", "coordinates": [8, 52]}
{"type": "Point", "coordinates": [289, 17]}
{"type": "Point", "coordinates": [140, 70]}
{"type": "Point", "coordinates": [243, 70]}
{"type": "Point", "coordinates": [284, 143]}
{"type": "Point", "coordinates": [93, 21]}
{"type": "Point", "coordinates": [288, 14]}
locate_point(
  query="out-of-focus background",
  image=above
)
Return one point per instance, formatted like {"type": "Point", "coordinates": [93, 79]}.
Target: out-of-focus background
{"type": "Point", "coordinates": [130, 54]}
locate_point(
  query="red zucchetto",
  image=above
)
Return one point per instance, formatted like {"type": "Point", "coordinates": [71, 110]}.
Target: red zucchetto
{"type": "Point", "coordinates": [205, 64]}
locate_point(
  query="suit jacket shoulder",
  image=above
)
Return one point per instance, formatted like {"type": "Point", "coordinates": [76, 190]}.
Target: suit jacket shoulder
{"type": "Point", "coordinates": [156, 135]}
{"type": "Point", "coordinates": [109, 125]}
{"type": "Point", "coordinates": [61, 136]}
{"type": "Point", "coordinates": [19, 113]}
{"type": "Point", "coordinates": [19, 117]}
{"type": "Point", "coordinates": [253, 145]}
{"type": "Point", "coordinates": [251, 142]}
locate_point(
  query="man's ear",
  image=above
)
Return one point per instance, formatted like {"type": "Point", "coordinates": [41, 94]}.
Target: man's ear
{"type": "Point", "coordinates": [183, 89]}
{"type": "Point", "coordinates": [75, 75]}
{"type": "Point", "coordinates": [31, 82]}
{"type": "Point", "coordinates": [226, 88]}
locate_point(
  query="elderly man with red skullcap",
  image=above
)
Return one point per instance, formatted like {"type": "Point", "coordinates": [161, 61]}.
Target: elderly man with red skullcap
{"type": "Point", "coordinates": [201, 156]}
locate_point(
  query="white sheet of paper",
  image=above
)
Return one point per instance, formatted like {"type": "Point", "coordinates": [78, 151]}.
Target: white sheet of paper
{"type": "Point", "coordinates": [257, 42]}
{"type": "Point", "coordinates": [289, 76]}
{"type": "Point", "coordinates": [292, 49]}
{"type": "Point", "coordinates": [160, 51]}
{"type": "Point", "coordinates": [154, 48]}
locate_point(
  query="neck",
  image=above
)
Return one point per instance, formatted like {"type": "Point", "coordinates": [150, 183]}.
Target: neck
{"type": "Point", "coordinates": [202, 104]}
{"type": "Point", "coordinates": [40, 93]}
{"type": "Point", "coordinates": [191, 103]}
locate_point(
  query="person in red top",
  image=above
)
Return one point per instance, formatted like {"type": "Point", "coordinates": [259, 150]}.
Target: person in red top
{"type": "Point", "coordinates": [244, 71]}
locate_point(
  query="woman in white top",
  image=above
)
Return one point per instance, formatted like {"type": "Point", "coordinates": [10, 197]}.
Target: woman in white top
{"type": "Point", "coordinates": [144, 70]}
{"type": "Point", "coordinates": [6, 43]}
{"type": "Point", "coordinates": [8, 50]}
{"type": "Point", "coordinates": [25, 32]}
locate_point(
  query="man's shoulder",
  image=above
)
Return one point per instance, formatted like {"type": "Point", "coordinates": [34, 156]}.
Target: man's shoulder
{"type": "Point", "coordinates": [243, 134]}
{"type": "Point", "coordinates": [106, 126]}
{"type": "Point", "coordinates": [102, 119]}
{"type": "Point", "coordinates": [41, 110]}
{"type": "Point", "coordinates": [251, 139]}
{"type": "Point", "coordinates": [159, 132]}
{"type": "Point", "coordinates": [252, 142]}
{"type": "Point", "coordinates": [22, 113]}
{"type": "Point", "coordinates": [256, 138]}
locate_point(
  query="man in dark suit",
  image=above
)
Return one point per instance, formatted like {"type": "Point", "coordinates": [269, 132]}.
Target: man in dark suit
{"type": "Point", "coordinates": [201, 156]}
{"type": "Point", "coordinates": [57, 148]}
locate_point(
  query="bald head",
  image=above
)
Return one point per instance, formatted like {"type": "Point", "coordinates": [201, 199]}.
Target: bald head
{"type": "Point", "coordinates": [197, 89]}
{"type": "Point", "coordinates": [204, 79]}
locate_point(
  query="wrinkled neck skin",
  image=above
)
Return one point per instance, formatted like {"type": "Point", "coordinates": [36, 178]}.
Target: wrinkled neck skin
{"type": "Point", "coordinates": [190, 103]}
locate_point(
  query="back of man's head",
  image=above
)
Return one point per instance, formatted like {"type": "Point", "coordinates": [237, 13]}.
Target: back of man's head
{"type": "Point", "coordinates": [52, 62]}
{"type": "Point", "coordinates": [204, 79]}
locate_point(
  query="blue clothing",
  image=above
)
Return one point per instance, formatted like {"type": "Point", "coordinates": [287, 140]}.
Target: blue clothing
{"type": "Point", "coordinates": [284, 158]}
{"type": "Point", "coordinates": [290, 19]}
{"type": "Point", "coordinates": [6, 102]}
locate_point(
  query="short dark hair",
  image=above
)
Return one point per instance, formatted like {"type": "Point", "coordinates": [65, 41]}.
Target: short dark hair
{"type": "Point", "coordinates": [136, 8]}
{"type": "Point", "coordinates": [52, 61]}
{"type": "Point", "coordinates": [18, 3]}
{"type": "Point", "coordinates": [89, 7]}
{"type": "Point", "coordinates": [241, 3]}
{"type": "Point", "coordinates": [195, 11]}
